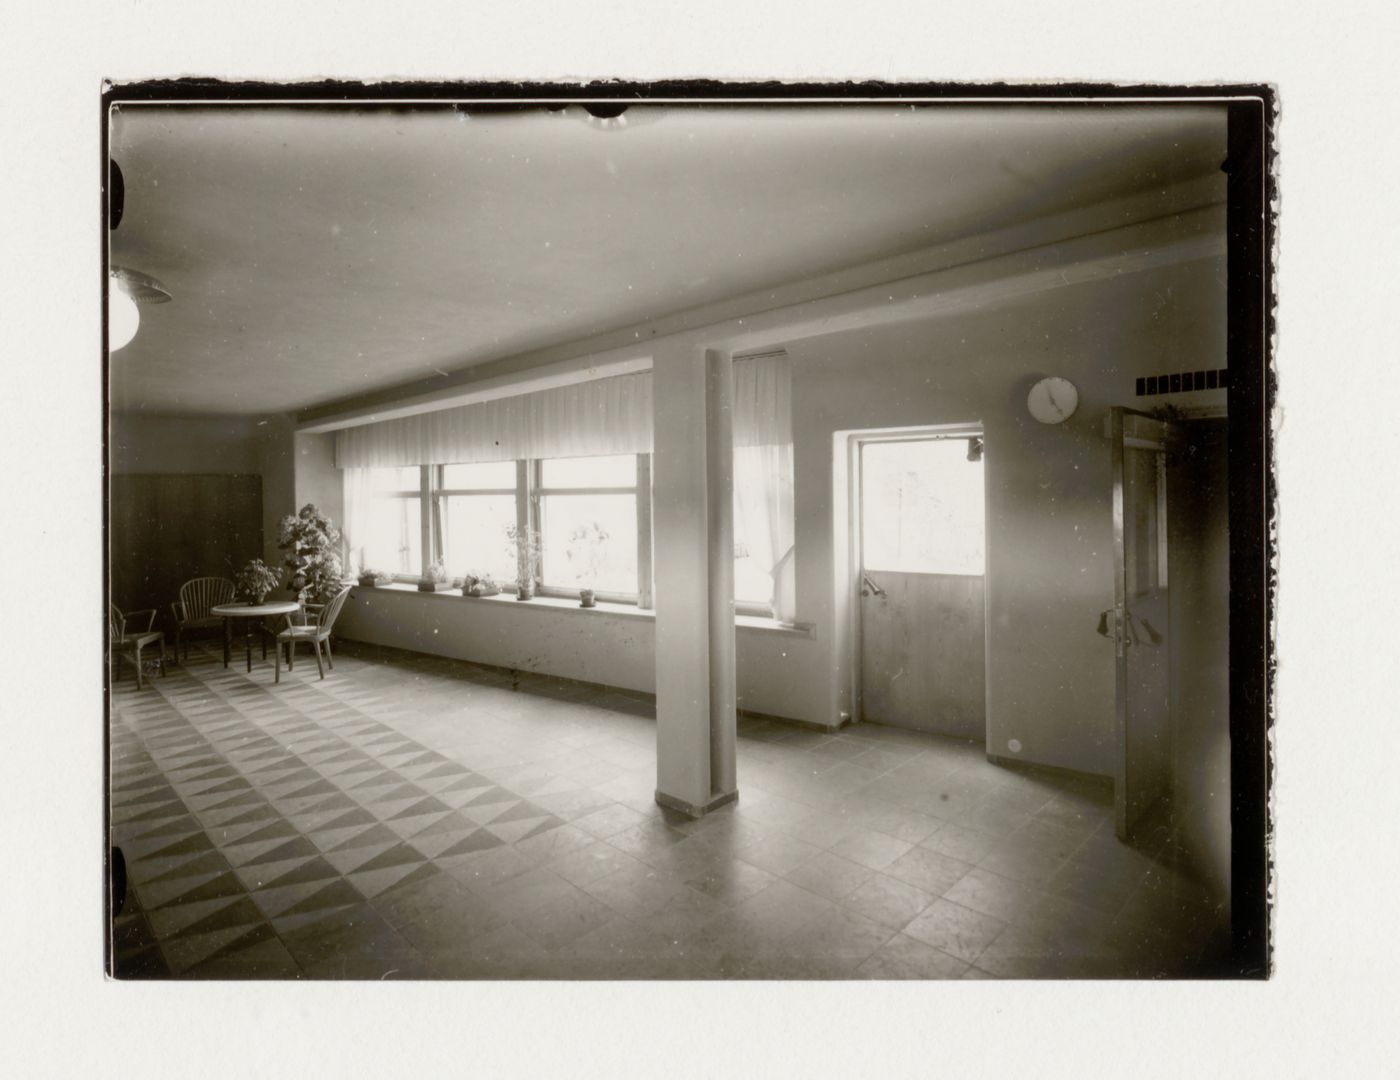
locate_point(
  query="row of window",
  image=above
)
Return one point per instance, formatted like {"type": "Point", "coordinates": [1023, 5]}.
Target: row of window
{"type": "Point", "coordinates": [592, 516]}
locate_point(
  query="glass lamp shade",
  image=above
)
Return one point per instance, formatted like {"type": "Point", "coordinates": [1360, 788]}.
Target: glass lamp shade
{"type": "Point", "coordinates": [123, 317]}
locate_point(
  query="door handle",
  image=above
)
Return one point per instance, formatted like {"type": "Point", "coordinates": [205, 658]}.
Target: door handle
{"type": "Point", "coordinates": [868, 586]}
{"type": "Point", "coordinates": [1128, 632]}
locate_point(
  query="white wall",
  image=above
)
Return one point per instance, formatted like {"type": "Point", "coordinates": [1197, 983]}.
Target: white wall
{"type": "Point", "coordinates": [532, 636]}
{"type": "Point", "coordinates": [594, 646]}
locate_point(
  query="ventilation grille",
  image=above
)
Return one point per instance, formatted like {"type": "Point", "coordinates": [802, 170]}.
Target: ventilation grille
{"type": "Point", "coordinates": [1181, 382]}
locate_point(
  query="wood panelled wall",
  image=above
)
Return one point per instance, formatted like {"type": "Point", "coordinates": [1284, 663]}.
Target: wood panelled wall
{"type": "Point", "coordinates": [167, 528]}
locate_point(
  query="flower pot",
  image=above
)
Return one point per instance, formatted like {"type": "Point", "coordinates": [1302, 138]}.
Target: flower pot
{"type": "Point", "coordinates": [368, 581]}
{"type": "Point", "coordinates": [525, 592]}
{"type": "Point", "coordinates": [587, 598]}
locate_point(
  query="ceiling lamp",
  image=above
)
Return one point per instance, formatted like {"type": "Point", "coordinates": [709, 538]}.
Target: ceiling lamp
{"type": "Point", "coordinates": [123, 316]}
{"type": "Point", "coordinates": [125, 290]}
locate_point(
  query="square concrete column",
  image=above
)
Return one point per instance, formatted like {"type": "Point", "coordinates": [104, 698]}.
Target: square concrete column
{"type": "Point", "coordinates": [693, 564]}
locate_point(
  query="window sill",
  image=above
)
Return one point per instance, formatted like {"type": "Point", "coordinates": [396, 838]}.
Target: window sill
{"type": "Point", "coordinates": [561, 604]}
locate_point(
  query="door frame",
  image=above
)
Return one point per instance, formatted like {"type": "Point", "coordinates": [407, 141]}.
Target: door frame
{"type": "Point", "coordinates": [1120, 439]}
{"type": "Point", "coordinates": [855, 441]}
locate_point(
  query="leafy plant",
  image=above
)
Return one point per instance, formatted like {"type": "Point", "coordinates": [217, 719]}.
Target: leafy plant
{"type": "Point", "coordinates": [475, 584]}
{"type": "Point", "coordinates": [523, 545]}
{"type": "Point", "coordinates": [312, 545]}
{"type": "Point", "coordinates": [256, 580]}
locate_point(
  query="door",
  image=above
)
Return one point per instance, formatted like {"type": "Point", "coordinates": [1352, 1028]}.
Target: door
{"type": "Point", "coordinates": [923, 544]}
{"type": "Point", "coordinates": [1143, 729]}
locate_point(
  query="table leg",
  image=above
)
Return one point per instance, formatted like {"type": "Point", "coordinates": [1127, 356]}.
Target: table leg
{"type": "Point", "coordinates": [228, 638]}
{"type": "Point", "coordinates": [248, 644]}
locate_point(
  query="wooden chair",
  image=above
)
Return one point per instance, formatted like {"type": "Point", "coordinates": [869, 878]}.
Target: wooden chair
{"type": "Point", "coordinates": [191, 611]}
{"type": "Point", "coordinates": [321, 618]}
{"type": "Point", "coordinates": [130, 638]}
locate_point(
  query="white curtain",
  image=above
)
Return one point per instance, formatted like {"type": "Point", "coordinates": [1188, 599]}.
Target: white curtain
{"type": "Point", "coordinates": [355, 528]}
{"type": "Point", "coordinates": [763, 506]}
{"type": "Point", "coordinates": [588, 419]}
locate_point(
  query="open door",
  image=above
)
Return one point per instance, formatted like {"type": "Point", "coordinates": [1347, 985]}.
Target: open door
{"type": "Point", "coordinates": [1143, 722]}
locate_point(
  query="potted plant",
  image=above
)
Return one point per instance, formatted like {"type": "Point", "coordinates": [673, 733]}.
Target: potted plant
{"type": "Point", "coordinates": [586, 554]}
{"type": "Point", "coordinates": [255, 581]}
{"type": "Point", "coordinates": [312, 545]}
{"type": "Point", "coordinates": [479, 585]}
{"type": "Point", "coordinates": [371, 578]}
{"type": "Point", "coordinates": [524, 546]}
{"type": "Point", "coordinates": [434, 578]}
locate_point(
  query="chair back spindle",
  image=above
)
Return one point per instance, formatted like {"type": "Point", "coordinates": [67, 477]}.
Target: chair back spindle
{"type": "Point", "coordinates": [329, 613]}
{"type": "Point", "coordinates": [198, 595]}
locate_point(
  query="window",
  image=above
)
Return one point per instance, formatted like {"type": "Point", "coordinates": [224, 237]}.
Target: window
{"type": "Point", "coordinates": [391, 537]}
{"type": "Point", "coordinates": [587, 512]}
{"type": "Point", "coordinates": [475, 505]}
{"type": "Point", "coordinates": [923, 506]}
{"type": "Point", "coordinates": [593, 517]}
{"type": "Point", "coordinates": [763, 523]}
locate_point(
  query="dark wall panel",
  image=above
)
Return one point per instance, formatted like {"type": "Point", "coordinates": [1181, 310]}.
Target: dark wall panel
{"type": "Point", "coordinates": [167, 528]}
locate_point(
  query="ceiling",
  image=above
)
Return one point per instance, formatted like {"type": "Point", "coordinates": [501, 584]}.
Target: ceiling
{"type": "Point", "coordinates": [315, 254]}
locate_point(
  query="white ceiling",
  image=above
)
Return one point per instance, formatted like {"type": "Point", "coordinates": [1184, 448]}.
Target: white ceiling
{"type": "Point", "coordinates": [317, 254]}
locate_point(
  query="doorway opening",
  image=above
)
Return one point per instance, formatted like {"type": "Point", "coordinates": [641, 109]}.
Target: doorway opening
{"type": "Point", "coordinates": [919, 542]}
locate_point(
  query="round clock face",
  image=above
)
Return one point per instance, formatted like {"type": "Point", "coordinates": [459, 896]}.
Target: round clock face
{"type": "Point", "coordinates": [1052, 400]}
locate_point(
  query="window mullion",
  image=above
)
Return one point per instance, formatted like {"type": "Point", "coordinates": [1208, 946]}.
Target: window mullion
{"type": "Point", "coordinates": [643, 504]}
{"type": "Point", "coordinates": [425, 515]}
{"type": "Point", "coordinates": [524, 509]}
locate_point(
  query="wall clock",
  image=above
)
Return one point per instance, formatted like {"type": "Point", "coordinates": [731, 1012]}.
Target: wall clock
{"type": "Point", "coordinates": [1052, 400]}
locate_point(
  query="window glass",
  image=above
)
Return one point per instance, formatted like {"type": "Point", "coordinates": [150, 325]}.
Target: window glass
{"type": "Point", "coordinates": [499, 475]}
{"type": "Point", "coordinates": [394, 540]}
{"type": "Point", "coordinates": [383, 481]}
{"type": "Point", "coordinates": [752, 583]}
{"type": "Point", "coordinates": [923, 507]}
{"type": "Point", "coordinates": [763, 529]}
{"type": "Point", "coordinates": [589, 541]}
{"type": "Point", "coordinates": [474, 535]}
{"type": "Point", "coordinates": [590, 472]}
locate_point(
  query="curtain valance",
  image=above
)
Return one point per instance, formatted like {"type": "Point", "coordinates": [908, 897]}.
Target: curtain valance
{"type": "Point", "coordinates": [763, 400]}
{"type": "Point", "coordinates": [604, 416]}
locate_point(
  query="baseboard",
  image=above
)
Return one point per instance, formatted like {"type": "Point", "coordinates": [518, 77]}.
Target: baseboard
{"type": "Point", "coordinates": [807, 725]}
{"type": "Point", "coordinates": [1018, 765]}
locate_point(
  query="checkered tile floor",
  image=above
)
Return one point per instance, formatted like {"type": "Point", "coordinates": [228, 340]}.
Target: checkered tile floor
{"type": "Point", "coordinates": [410, 816]}
{"type": "Point", "coordinates": [246, 810]}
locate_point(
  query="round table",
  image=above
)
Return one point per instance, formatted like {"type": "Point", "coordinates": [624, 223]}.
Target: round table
{"type": "Point", "coordinates": [250, 612]}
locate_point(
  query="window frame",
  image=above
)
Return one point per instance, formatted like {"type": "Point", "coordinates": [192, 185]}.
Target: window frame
{"type": "Point", "coordinates": [528, 492]}
{"type": "Point", "coordinates": [437, 477]}
{"type": "Point", "coordinates": [640, 489]}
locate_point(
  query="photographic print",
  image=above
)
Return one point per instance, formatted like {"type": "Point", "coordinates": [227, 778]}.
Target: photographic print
{"type": "Point", "coordinates": [687, 532]}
